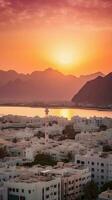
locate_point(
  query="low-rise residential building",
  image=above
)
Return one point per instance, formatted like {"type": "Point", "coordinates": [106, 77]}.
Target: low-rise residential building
{"type": "Point", "coordinates": [100, 165]}
{"type": "Point", "coordinates": [63, 181]}
{"type": "Point", "coordinates": [107, 195]}
{"type": "Point", "coordinates": [33, 187]}
{"type": "Point", "coordinates": [91, 124]}
{"type": "Point", "coordinates": [73, 180]}
{"type": "Point", "coordinates": [3, 192]}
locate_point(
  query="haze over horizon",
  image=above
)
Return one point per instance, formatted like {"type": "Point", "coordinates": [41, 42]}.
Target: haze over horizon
{"type": "Point", "coordinates": [53, 70]}
{"type": "Point", "coordinates": [71, 37]}
{"type": "Point", "coordinates": [50, 84]}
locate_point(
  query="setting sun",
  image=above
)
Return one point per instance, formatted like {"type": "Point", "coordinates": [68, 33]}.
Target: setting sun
{"type": "Point", "coordinates": [65, 57]}
{"type": "Point", "coordinates": [55, 99]}
{"type": "Point", "coordinates": [73, 39]}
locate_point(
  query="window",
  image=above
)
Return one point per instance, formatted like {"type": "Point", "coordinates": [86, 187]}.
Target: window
{"type": "Point", "coordinates": [47, 188]}
{"type": "Point", "coordinates": [78, 161]}
{"type": "Point", "coordinates": [43, 194]}
{"type": "Point", "coordinates": [102, 177]}
{"type": "Point", "coordinates": [22, 190]}
{"type": "Point", "coordinates": [97, 163]}
{"type": "Point", "coordinates": [102, 164]}
{"type": "Point", "coordinates": [92, 175]}
{"type": "Point", "coordinates": [47, 196]}
{"type": "Point", "coordinates": [17, 190]}
{"type": "Point", "coordinates": [92, 163]}
{"type": "Point", "coordinates": [92, 169]}
{"type": "Point", "coordinates": [22, 198]}
{"type": "Point", "coordinates": [29, 191]}
{"type": "Point", "coordinates": [102, 170]}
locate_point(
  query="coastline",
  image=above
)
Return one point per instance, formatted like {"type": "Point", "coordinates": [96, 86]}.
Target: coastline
{"type": "Point", "coordinates": [56, 107]}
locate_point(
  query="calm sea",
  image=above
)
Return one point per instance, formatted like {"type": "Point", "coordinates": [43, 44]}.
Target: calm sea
{"type": "Point", "coordinates": [65, 112]}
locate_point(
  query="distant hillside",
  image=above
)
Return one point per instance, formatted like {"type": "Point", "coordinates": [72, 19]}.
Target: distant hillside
{"type": "Point", "coordinates": [97, 92]}
{"type": "Point", "coordinates": [48, 85]}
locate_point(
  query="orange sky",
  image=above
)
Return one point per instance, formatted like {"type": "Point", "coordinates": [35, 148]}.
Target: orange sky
{"type": "Point", "coordinates": [70, 37]}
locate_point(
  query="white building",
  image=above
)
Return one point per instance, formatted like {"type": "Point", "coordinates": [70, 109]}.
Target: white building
{"type": "Point", "coordinates": [91, 124]}
{"type": "Point", "coordinates": [33, 187]}
{"type": "Point", "coordinates": [107, 195]}
{"type": "Point", "coordinates": [3, 193]}
{"type": "Point", "coordinates": [64, 181]}
{"type": "Point", "coordinates": [73, 180]}
{"type": "Point", "coordinates": [8, 173]}
{"type": "Point", "coordinates": [95, 138]}
{"type": "Point", "coordinates": [100, 165]}
{"type": "Point", "coordinates": [59, 150]}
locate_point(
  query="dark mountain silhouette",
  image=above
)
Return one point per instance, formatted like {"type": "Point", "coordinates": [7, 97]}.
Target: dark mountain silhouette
{"type": "Point", "coordinates": [48, 85]}
{"type": "Point", "coordinates": [11, 75]}
{"type": "Point", "coordinates": [97, 92]}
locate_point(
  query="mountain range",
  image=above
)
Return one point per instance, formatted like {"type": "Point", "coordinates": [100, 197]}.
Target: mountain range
{"type": "Point", "coordinates": [97, 92]}
{"type": "Point", "coordinates": [48, 85]}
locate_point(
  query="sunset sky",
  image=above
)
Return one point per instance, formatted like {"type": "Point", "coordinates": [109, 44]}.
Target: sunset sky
{"type": "Point", "coordinates": [72, 36]}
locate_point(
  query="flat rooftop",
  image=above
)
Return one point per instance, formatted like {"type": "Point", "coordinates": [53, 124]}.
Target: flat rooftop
{"type": "Point", "coordinates": [32, 178]}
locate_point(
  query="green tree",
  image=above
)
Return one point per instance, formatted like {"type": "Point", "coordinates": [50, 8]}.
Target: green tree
{"type": "Point", "coordinates": [90, 191]}
{"type": "Point", "coordinates": [69, 158]}
{"type": "Point", "coordinates": [103, 127]}
{"type": "Point", "coordinates": [106, 186]}
{"type": "Point", "coordinates": [14, 140]}
{"type": "Point", "coordinates": [69, 132]}
{"type": "Point", "coordinates": [40, 134]}
{"type": "Point", "coordinates": [3, 152]}
{"type": "Point", "coordinates": [42, 159]}
{"type": "Point", "coordinates": [107, 148]}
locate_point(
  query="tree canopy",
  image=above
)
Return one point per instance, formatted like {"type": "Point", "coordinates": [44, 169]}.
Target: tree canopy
{"type": "Point", "coordinates": [91, 191]}
{"type": "Point", "coordinates": [3, 152]}
{"type": "Point", "coordinates": [106, 186]}
{"type": "Point", "coordinates": [42, 159]}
